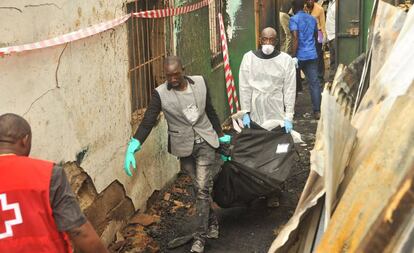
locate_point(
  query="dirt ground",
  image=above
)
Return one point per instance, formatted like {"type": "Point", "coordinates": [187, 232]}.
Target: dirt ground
{"type": "Point", "coordinates": [242, 230]}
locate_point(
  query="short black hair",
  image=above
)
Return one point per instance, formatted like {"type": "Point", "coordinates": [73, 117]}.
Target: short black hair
{"type": "Point", "coordinates": [13, 128]}
{"type": "Point", "coordinates": [297, 5]}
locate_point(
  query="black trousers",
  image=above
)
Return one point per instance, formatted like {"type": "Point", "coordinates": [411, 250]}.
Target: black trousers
{"type": "Point", "coordinates": [321, 62]}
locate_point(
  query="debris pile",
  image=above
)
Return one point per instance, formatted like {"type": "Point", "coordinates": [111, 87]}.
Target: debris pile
{"type": "Point", "coordinates": [151, 231]}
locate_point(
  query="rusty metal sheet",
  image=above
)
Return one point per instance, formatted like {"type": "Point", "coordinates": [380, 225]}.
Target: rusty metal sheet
{"type": "Point", "coordinates": [393, 80]}
{"type": "Point", "coordinates": [393, 230]}
{"type": "Point", "coordinates": [375, 181]}
{"type": "Point", "coordinates": [385, 148]}
{"type": "Point", "coordinates": [313, 190]}
{"type": "Point", "coordinates": [382, 155]}
{"type": "Point", "coordinates": [338, 139]}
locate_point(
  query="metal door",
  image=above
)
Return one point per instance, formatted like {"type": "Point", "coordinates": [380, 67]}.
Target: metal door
{"type": "Point", "coordinates": [348, 31]}
{"type": "Point", "coordinates": [265, 16]}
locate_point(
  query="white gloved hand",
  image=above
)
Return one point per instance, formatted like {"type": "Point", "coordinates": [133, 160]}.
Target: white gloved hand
{"type": "Point", "coordinates": [296, 61]}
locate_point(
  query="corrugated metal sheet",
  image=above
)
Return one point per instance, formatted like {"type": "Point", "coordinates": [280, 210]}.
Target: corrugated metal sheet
{"type": "Point", "coordinates": [375, 172]}
{"type": "Point", "coordinates": [385, 148]}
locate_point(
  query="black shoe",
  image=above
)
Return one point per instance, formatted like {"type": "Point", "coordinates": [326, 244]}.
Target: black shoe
{"type": "Point", "coordinates": [317, 115]}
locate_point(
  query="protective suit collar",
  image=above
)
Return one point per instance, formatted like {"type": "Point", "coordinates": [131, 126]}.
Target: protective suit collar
{"type": "Point", "coordinates": [261, 55]}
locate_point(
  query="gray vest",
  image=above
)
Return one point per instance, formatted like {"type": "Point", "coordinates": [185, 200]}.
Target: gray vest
{"type": "Point", "coordinates": [180, 130]}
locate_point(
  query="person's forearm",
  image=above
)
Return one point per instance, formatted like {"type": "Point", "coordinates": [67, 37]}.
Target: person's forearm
{"type": "Point", "coordinates": [294, 47]}
{"type": "Point", "coordinates": [323, 24]}
{"type": "Point", "coordinates": [86, 239]}
{"type": "Point", "coordinates": [294, 44]}
{"type": "Point", "coordinates": [150, 118]}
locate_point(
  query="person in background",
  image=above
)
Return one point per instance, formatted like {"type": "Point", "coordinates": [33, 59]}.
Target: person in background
{"type": "Point", "coordinates": [286, 36]}
{"type": "Point", "coordinates": [38, 210]}
{"type": "Point", "coordinates": [267, 84]}
{"type": "Point", "coordinates": [331, 35]}
{"type": "Point", "coordinates": [305, 31]}
{"type": "Point", "coordinates": [194, 132]}
{"type": "Point", "coordinates": [318, 13]}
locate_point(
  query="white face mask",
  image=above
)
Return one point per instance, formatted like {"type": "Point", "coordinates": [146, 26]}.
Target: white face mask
{"type": "Point", "coordinates": [268, 49]}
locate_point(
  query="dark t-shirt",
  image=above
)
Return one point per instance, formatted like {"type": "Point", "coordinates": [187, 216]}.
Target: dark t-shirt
{"type": "Point", "coordinates": [65, 207]}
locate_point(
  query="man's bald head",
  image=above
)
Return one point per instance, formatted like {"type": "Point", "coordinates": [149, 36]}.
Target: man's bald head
{"type": "Point", "coordinates": [15, 134]}
{"type": "Point", "coordinates": [268, 31]}
{"type": "Point", "coordinates": [268, 36]}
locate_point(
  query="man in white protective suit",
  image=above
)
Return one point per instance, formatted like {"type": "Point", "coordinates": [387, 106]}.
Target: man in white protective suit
{"type": "Point", "coordinates": [267, 84]}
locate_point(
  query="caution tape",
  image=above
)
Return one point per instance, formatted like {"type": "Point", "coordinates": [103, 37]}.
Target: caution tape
{"type": "Point", "coordinates": [69, 37]}
{"type": "Point", "coordinates": [98, 28]}
{"type": "Point", "coordinates": [230, 87]}
{"type": "Point", "coordinates": [171, 11]}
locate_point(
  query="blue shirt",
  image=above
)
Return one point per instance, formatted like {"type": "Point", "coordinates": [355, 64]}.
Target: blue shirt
{"type": "Point", "coordinates": [306, 26]}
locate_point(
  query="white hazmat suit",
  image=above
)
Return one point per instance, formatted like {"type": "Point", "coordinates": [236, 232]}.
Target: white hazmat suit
{"type": "Point", "coordinates": [267, 87]}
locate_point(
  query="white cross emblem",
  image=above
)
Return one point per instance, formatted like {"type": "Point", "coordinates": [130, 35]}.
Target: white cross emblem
{"type": "Point", "coordinates": [9, 223]}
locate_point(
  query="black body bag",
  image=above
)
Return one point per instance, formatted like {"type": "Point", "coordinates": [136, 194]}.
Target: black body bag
{"type": "Point", "coordinates": [261, 161]}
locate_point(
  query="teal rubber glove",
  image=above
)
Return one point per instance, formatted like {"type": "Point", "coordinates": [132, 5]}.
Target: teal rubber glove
{"type": "Point", "coordinates": [225, 158]}
{"type": "Point", "coordinates": [133, 146]}
{"type": "Point", "coordinates": [246, 120]}
{"type": "Point", "coordinates": [288, 126]}
{"type": "Point", "coordinates": [226, 139]}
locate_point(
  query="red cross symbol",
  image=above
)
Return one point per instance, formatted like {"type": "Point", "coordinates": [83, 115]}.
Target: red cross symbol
{"type": "Point", "coordinates": [7, 221]}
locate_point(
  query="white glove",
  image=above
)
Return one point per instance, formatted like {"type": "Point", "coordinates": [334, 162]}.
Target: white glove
{"type": "Point", "coordinates": [296, 61]}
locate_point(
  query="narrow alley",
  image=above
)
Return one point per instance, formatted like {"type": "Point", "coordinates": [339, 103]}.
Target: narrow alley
{"type": "Point", "coordinates": [207, 126]}
{"type": "Point", "coordinates": [243, 229]}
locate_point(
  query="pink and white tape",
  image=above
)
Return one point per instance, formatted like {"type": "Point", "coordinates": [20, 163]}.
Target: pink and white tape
{"type": "Point", "coordinates": [69, 37]}
{"type": "Point", "coordinates": [171, 11]}
{"type": "Point", "coordinates": [230, 87]}
{"type": "Point", "coordinates": [98, 28]}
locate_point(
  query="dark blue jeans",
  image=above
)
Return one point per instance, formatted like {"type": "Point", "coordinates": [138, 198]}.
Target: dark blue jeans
{"type": "Point", "coordinates": [310, 68]}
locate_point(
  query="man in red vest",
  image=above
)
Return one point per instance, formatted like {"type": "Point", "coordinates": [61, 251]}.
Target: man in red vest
{"type": "Point", "coordinates": [38, 210]}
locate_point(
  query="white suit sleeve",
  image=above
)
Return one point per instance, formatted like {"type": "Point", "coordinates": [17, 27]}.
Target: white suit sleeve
{"type": "Point", "coordinates": [289, 89]}
{"type": "Point", "coordinates": [244, 85]}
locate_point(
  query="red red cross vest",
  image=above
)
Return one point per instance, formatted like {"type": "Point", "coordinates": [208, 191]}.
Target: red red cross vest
{"type": "Point", "coordinates": [26, 221]}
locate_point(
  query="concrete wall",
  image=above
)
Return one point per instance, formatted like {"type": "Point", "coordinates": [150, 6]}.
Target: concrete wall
{"type": "Point", "coordinates": [77, 96]}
